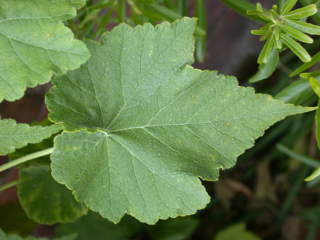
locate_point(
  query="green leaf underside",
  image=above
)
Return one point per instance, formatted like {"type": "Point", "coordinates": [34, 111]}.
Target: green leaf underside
{"type": "Point", "coordinates": [155, 124]}
{"type": "Point", "coordinates": [94, 227]}
{"type": "Point", "coordinates": [16, 135]}
{"type": "Point", "coordinates": [44, 200]}
{"type": "Point", "coordinates": [4, 236]}
{"type": "Point", "coordinates": [34, 44]}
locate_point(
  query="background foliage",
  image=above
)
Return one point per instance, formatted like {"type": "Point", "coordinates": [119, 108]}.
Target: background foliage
{"type": "Point", "coordinates": [265, 194]}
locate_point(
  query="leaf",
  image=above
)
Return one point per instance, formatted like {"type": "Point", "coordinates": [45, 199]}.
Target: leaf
{"type": "Point", "coordinates": [94, 227]}
{"type": "Point", "coordinates": [305, 66]}
{"type": "Point", "coordinates": [303, 12]}
{"type": "Point", "coordinates": [236, 231]}
{"type": "Point", "coordinates": [318, 127]}
{"type": "Point", "coordinates": [296, 48]}
{"type": "Point", "coordinates": [44, 200]}
{"type": "Point", "coordinates": [267, 51]}
{"type": "Point", "coordinates": [287, 6]}
{"type": "Point", "coordinates": [266, 69]}
{"type": "Point", "coordinates": [35, 44]}
{"type": "Point", "coordinates": [304, 27]}
{"type": "Point", "coordinates": [298, 35]}
{"type": "Point", "coordinates": [242, 7]}
{"type": "Point", "coordinates": [296, 92]}
{"type": "Point", "coordinates": [299, 157]}
{"type": "Point", "coordinates": [16, 135]}
{"type": "Point", "coordinates": [314, 175]}
{"type": "Point", "coordinates": [147, 125]}
{"type": "Point", "coordinates": [175, 229]}
{"type": "Point", "coordinates": [315, 84]}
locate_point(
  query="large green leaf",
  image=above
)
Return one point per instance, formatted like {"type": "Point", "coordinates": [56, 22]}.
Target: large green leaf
{"type": "Point", "coordinates": [94, 227]}
{"type": "Point", "coordinates": [34, 43]}
{"type": "Point", "coordinates": [16, 135]}
{"type": "Point", "coordinates": [155, 124]}
{"type": "Point", "coordinates": [44, 200]}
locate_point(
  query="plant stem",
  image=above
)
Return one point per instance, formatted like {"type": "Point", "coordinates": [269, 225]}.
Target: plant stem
{"type": "Point", "coordinates": [294, 190]}
{"type": "Point", "coordinates": [121, 10]}
{"type": "Point", "coordinates": [8, 185]}
{"type": "Point", "coordinates": [25, 158]}
{"type": "Point", "coordinates": [302, 158]}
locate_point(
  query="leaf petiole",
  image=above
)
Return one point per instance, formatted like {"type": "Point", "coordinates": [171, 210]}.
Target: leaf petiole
{"type": "Point", "coordinates": [25, 158]}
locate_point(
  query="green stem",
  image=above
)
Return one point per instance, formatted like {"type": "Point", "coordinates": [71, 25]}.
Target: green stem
{"type": "Point", "coordinates": [173, 15]}
{"type": "Point", "coordinates": [291, 196]}
{"type": "Point", "coordinates": [121, 10]}
{"type": "Point", "coordinates": [302, 158]}
{"type": "Point", "coordinates": [25, 158]}
{"type": "Point", "coordinates": [241, 7]}
{"type": "Point", "coordinates": [182, 7]}
{"type": "Point", "coordinates": [8, 185]}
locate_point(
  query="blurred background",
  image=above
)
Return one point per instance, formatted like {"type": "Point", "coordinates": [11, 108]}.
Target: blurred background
{"type": "Point", "coordinates": [265, 195]}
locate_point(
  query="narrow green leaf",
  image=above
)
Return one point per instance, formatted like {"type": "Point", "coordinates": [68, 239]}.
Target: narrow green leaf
{"type": "Point", "coordinates": [242, 7]}
{"type": "Point", "coordinates": [146, 130]}
{"type": "Point", "coordinates": [318, 126]}
{"type": "Point", "coordinates": [300, 36]}
{"type": "Point", "coordinates": [182, 7]}
{"type": "Point", "coordinates": [302, 13]}
{"type": "Point", "coordinates": [121, 10]}
{"type": "Point", "coordinates": [258, 32]}
{"type": "Point", "coordinates": [296, 48]}
{"type": "Point", "coordinates": [44, 200]}
{"type": "Point", "coordinates": [278, 42]}
{"type": "Point", "coordinates": [316, 17]}
{"type": "Point", "coordinates": [299, 157]}
{"type": "Point", "coordinates": [34, 44]}
{"type": "Point", "coordinates": [259, 15]}
{"type": "Point", "coordinates": [266, 51]}
{"type": "Point", "coordinates": [280, 3]}
{"type": "Point", "coordinates": [315, 84]}
{"type": "Point", "coordinates": [266, 69]}
{"type": "Point", "coordinates": [314, 74]}
{"type": "Point", "coordinates": [297, 92]}
{"type": "Point", "coordinates": [314, 175]}
{"type": "Point", "coordinates": [259, 7]}
{"type": "Point", "coordinates": [167, 12]}
{"type": "Point", "coordinates": [287, 6]}
{"type": "Point", "coordinates": [16, 135]}
{"type": "Point", "coordinates": [306, 66]}
{"type": "Point", "coordinates": [304, 27]}
{"type": "Point", "coordinates": [201, 41]}
{"type": "Point", "coordinates": [261, 31]}
{"type": "Point", "coordinates": [172, 15]}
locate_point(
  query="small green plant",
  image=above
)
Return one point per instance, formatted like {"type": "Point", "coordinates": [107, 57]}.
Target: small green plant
{"type": "Point", "coordinates": [283, 28]}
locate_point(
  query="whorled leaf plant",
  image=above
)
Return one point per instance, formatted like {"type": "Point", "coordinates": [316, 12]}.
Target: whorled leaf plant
{"type": "Point", "coordinates": [283, 28]}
